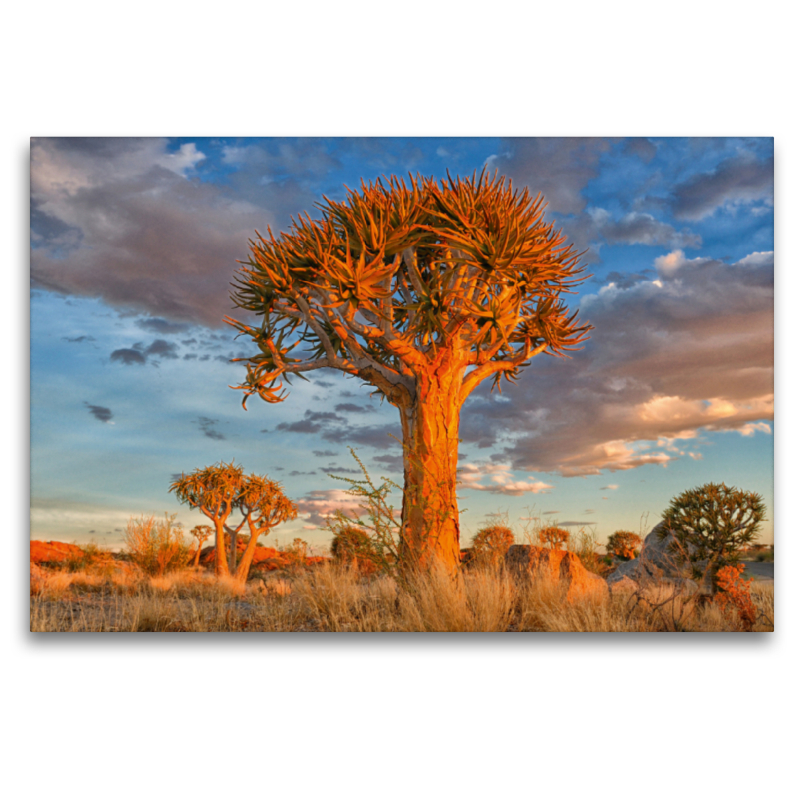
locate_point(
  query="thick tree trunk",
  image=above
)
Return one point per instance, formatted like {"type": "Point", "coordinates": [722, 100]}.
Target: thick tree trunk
{"type": "Point", "coordinates": [430, 530]}
{"type": "Point", "coordinates": [243, 570]}
{"type": "Point", "coordinates": [220, 562]}
{"type": "Point", "coordinates": [196, 562]}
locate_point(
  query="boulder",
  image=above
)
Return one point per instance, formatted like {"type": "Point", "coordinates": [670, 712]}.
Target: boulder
{"type": "Point", "coordinates": [560, 565]}
{"type": "Point", "coordinates": [623, 586]}
{"type": "Point", "coordinates": [54, 552]}
{"type": "Point", "coordinates": [656, 562]}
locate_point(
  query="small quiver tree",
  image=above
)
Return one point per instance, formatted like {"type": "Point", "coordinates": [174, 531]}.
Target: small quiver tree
{"type": "Point", "coordinates": [201, 533]}
{"type": "Point", "coordinates": [422, 291]}
{"type": "Point", "coordinates": [221, 489]}
{"type": "Point", "coordinates": [710, 525]}
{"type": "Point", "coordinates": [553, 537]}
{"type": "Point", "coordinates": [213, 491]}
{"type": "Point", "coordinates": [264, 506]}
{"type": "Point", "coordinates": [490, 544]}
{"type": "Point", "coordinates": [624, 545]}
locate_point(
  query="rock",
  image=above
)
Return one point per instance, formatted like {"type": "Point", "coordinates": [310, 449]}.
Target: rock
{"type": "Point", "coordinates": [623, 586]}
{"type": "Point", "coordinates": [54, 552]}
{"type": "Point", "coordinates": [561, 565]}
{"type": "Point", "coordinates": [655, 563]}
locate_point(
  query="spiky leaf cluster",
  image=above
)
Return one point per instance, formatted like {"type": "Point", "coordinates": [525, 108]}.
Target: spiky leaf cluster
{"type": "Point", "coordinates": [711, 523]}
{"type": "Point", "coordinates": [388, 277]}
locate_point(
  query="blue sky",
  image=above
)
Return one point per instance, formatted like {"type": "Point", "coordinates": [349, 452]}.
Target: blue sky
{"type": "Point", "coordinates": [134, 243]}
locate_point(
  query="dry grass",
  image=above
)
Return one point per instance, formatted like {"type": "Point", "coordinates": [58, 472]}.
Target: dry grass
{"type": "Point", "coordinates": [335, 598]}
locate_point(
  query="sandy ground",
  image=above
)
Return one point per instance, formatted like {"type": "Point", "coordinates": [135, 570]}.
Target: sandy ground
{"type": "Point", "coordinates": [760, 570]}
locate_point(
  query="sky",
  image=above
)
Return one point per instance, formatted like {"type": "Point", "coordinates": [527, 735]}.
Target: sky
{"type": "Point", "coordinates": [134, 243]}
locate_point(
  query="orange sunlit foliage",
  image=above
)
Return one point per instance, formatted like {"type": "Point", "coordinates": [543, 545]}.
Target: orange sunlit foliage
{"type": "Point", "coordinates": [553, 537]}
{"type": "Point", "coordinates": [624, 545]}
{"type": "Point", "coordinates": [734, 595]}
{"type": "Point", "coordinates": [423, 290]}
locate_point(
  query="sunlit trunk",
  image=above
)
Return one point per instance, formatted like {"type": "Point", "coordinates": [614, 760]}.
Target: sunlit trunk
{"type": "Point", "coordinates": [243, 570]}
{"type": "Point", "coordinates": [234, 535]}
{"type": "Point", "coordinates": [220, 562]}
{"type": "Point", "coordinates": [430, 529]}
{"type": "Point", "coordinates": [196, 562]}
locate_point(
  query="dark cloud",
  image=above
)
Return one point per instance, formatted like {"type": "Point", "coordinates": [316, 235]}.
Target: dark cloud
{"type": "Point", "coordinates": [206, 425]}
{"type": "Point", "coordinates": [741, 179]}
{"type": "Point", "coordinates": [312, 422]}
{"type": "Point", "coordinates": [643, 148]}
{"type": "Point", "coordinates": [128, 356]}
{"type": "Point", "coordinates": [559, 168]}
{"type": "Point", "coordinates": [573, 524]}
{"type": "Point", "coordinates": [189, 356]}
{"type": "Point", "coordinates": [392, 463]}
{"type": "Point", "coordinates": [174, 242]}
{"type": "Point", "coordinates": [162, 349]}
{"type": "Point", "coordinates": [295, 472]}
{"type": "Point", "coordinates": [325, 453]}
{"type": "Point", "coordinates": [100, 413]}
{"type": "Point", "coordinates": [79, 339]}
{"type": "Point", "coordinates": [161, 325]}
{"type": "Point", "coordinates": [352, 408]}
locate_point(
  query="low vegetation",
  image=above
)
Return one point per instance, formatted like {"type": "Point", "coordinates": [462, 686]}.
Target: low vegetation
{"type": "Point", "coordinates": [336, 597]}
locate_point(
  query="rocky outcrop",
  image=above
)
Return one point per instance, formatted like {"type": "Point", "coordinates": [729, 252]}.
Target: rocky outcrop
{"type": "Point", "coordinates": [54, 552]}
{"type": "Point", "coordinates": [657, 562]}
{"type": "Point", "coordinates": [558, 565]}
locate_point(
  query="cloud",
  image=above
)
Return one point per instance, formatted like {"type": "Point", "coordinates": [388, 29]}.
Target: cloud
{"type": "Point", "coordinates": [611, 486]}
{"type": "Point", "coordinates": [162, 348]}
{"type": "Point", "coordinates": [312, 422]}
{"type": "Point", "coordinates": [100, 413]}
{"type": "Point", "coordinates": [128, 356]}
{"type": "Point", "coordinates": [316, 506]}
{"type": "Point", "coordinates": [737, 180]}
{"type": "Point", "coordinates": [643, 148]}
{"type": "Point", "coordinates": [118, 219]}
{"type": "Point", "coordinates": [352, 408]}
{"type": "Point", "coordinates": [78, 339]}
{"type": "Point", "coordinates": [206, 425]}
{"type": "Point", "coordinates": [641, 228]}
{"type": "Point", "coordinates": [325, 453]}
{"type": "Point", "coordinates": [559, 168]}
{"type": "Point", "coordinates": [501, 480]}
{"type": "Point", "coordinates": [691, 351]}
{"type": "Point", "coordinates": [161, 325]}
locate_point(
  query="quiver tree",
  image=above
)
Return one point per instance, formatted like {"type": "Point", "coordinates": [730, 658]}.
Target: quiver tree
{"type": "Point", "coordinates": [710, 525]}
{"type": "Point", "coordinates": [553, 537]}
{"type": "Point", "coordinates": [201, 533]}
{"type": "Point", "coordinates": [422, 290]}
{"type": "Point", "coordinates": [217, 492]}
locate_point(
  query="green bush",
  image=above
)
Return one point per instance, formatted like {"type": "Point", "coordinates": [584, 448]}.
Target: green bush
{"type": "Point", "coordinates": [711, 524]}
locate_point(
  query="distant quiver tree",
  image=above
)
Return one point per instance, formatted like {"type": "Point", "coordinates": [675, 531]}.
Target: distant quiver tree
{"type": "Point", "coordinates": [222, 489]}
{"type": "Point", "coordinates": [423, 290]}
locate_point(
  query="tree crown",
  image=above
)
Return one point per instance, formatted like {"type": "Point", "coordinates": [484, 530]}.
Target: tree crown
{"type": "Point", "coordinates": [397, 273]}
{"type": "Point", "coordinates": [220, 489]}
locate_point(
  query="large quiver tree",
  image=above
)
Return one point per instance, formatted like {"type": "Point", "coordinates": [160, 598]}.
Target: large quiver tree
{"type": "Point", "coordinates": [423, 291]}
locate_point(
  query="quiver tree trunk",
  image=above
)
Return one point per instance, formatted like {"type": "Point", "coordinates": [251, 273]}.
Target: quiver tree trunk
{"type": "Point", "coordinates": [243, 570]}
{"type": "Point", "coordinates": [220, 561]}
{"type": "Point", "coordinates": [430, 529]}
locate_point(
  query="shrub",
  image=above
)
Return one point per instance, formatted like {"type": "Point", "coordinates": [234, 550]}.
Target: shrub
{"type": "Point", "coordinates": [553, 537]}
{"type": "Point", "coordinates": [624, 545]}
{"type": "Point", "coordinates": [734, 595]}
{"type": "Point", "coordinates": [156, 546]}
{"type": "Point", "coordinates": [711, 524]}
{"type": "Point", "coordinates": [490, 544]}
{"type": "Point", "coordinates": [584, 546]}
{"type": "Point", "coordinates": [353, 545]}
